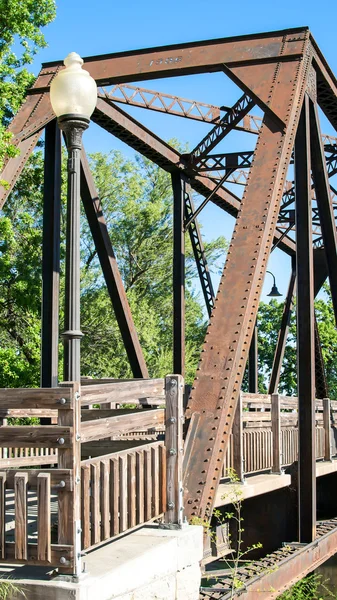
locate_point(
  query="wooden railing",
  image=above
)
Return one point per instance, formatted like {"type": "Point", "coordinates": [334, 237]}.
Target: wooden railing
{"type": "Point", "coordinates": [265, 433]}
{"type": "Point", "coordinates": [49, 516]}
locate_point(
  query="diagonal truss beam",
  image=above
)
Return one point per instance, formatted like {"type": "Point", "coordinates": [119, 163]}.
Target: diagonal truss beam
{"type": "Point", "coordinates": [213, 400]}
{"type": "Point", "coordinates": [228, 122]}
{"type": "Point", "coordinates": [326, 215]}
{"type": "Point", "coordinates": [110, 270]}
{"type": "Point", "coordinates": [199, 254]}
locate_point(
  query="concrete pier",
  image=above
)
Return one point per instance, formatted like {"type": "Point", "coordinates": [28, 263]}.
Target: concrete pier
{"type": "Point", "coordinates": [148, 564]}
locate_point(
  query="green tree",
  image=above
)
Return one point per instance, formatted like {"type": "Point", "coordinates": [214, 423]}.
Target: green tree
{"type": "Point", "coordinates": [20, 38]}
{"type": "Point", "coordinates": [137, 204]}
{"type": "Point", "coordinates": [269, 319]}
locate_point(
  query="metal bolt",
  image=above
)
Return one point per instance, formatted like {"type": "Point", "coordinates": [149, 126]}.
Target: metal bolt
{"type": "Point", "coordinates": [77, 480]}
{"type": "Point", "coordinates": [63, 401]}
{"type": "Point", "coordinates": [62, 484]}
{"type": "Point", "coordinates": [170, 505]}
{"type": "Point", "coordinates": [172, 451]}
{"type": "Point", "coordinates": [63, 560]}
{"type": "Point", "coordinates": [172, 420]}
{"type": "Point", "coordinates": [77, 437]}
{"type": "Point", "coordinates": [77, 396]}
{"type": "Point", "coordinates": [79, 530]}
{"type": "Point", "coordinates": [60, 441]}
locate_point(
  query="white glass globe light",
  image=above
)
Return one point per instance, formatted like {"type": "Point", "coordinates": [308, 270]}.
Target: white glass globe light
{"type": "Point", "coordinates": [73, 91]}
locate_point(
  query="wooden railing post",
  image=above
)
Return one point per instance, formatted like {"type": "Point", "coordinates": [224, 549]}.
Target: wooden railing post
{"type": "Point", "coordinates": [276, 433]}
{"type": "Point", "coordinates": [69, 502]}
{"type": "Point", "coordinates": [238, 459]}
{"type": "Point", "coordinates": [327, 428]}
{"type": "Point", "coordinates": [174, 389]}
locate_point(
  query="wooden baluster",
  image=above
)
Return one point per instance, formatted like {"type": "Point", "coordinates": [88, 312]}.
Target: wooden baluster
{"type": "Point", "coordinates": [85, 506]}
{"type": "Point", "coordinates": [131, 489]}
{"type": "Point", "coordinates": [95, 504]}
{"type": "Point", "coordinates": [174, 386]}
{"type": "Point", "coordinates": [155, 481]}
{"type": "Point", "coordinates": [327, 428]}
{"type": "Point", "coordinates": [147, 486]}
{"type": "Point", "coordinates": [276, 433]}
{"type": "Point", "coordinates": [105, 521]}
{"type": "Point", "coordinates": [139, 487]}
{"type": "Point", "coordinates": [20, 495]}
{"type": "Point", "coordinates": [238, 441]}
{"type": "Point", "coordinates": [43, 517]}
{"type": "Point", "coordinates": [114, 496]}
{"type": "Point", "coordinates": [3, 515]}
{"type": "Point", "coordinates": [123, 493]}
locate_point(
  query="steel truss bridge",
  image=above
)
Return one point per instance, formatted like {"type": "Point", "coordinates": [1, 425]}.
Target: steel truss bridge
{"type": "Point", "coordinates": [286, 77]}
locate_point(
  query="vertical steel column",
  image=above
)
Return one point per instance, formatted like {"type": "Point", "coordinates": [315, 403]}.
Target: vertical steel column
{"type": "Point", "coordinates": [305, 332]}
{"type": "Point", "coordinates": [283, 333]}
{"type": "Point", "coordinates": [179, 185]}
{"type": "Point", "coordinates": [253, 364]}
{"type": "Point", "coordinates": [51, 256]}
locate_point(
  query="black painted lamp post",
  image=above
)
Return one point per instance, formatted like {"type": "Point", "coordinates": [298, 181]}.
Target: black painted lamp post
{"type": "Point", "coordinates": [274, 293]}
{"type": "Point", "coordinates": [73, 95]}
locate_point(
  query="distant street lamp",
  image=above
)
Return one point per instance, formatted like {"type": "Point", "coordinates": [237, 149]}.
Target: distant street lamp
{"type": "Point", "coordinates": [73, 95]}
{"type": "Point", "coordinates": [274, 293]}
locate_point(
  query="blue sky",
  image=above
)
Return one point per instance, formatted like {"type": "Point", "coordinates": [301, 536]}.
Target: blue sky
{"type": "Point", "coordinates": [106, 26]}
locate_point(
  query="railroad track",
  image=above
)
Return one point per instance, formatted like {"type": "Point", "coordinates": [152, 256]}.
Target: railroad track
{"type": "Point", "coordinates": [220, 583]}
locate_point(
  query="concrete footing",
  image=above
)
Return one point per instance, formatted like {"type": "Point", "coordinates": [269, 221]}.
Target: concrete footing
{"type": "Point", "coordinates": [148, 564]}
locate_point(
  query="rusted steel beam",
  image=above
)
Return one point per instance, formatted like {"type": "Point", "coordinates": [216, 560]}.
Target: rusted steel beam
{"type": "Point", "coordinates": [216, 388]}
{"type": "Point", "coordinates": [226, 124]}
{"type": "Point", "coordinates": [180, 189]}
{"type": "Point", "coordinates": [196, 57]}
{"type": "Point", "coordinates": [305, 332]}
{"type": "Point", "coordinates": [110, 270]}
{"type": "Point", "coordinates": [26, 128]}
{"type": "Point", "coordinates": [51, 257]}
{"type": "Point", "coordinates": [199, 255]}
{"type": "Point", "coordinates": [325, 209]}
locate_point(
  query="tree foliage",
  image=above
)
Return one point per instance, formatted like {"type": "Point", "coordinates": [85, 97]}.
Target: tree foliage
{"type": "Point", "coordinates": [137, 204]}
{"type": "Point", "coordinates": [20, 38]}
{"type": "Point", "coordinates": [269, 320]}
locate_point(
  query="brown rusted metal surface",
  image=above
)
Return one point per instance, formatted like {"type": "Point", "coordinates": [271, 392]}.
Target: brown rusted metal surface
{"type": "Point", "coordinates": [196, 57]}
{"type": "Point", "coordinates": [224, 355]}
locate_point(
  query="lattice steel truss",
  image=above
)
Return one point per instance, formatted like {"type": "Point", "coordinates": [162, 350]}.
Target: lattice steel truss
{"type": "Point", "coordinates": [284, 74]}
